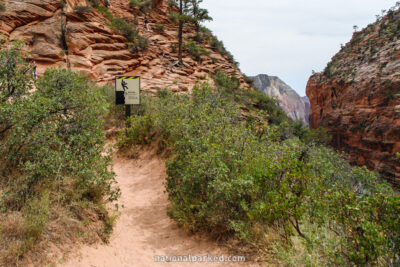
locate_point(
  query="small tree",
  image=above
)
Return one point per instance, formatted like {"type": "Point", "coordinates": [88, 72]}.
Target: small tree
{"type": "Point", "coordinates": [182, 18]}
{"type": "Point", "coordinates": [355, 28]}
{"type": "Point", "coordinates": [189, 11]}
{"type": "Point", "coordinates": [198, 14]}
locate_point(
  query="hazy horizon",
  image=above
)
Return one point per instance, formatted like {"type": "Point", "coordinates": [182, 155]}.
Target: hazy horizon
{"type": "Point", "coordinates": [288, 38]}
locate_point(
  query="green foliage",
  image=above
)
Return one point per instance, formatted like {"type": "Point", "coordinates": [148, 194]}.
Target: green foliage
{"type": "Point", "coordinates": [124, 28]}
{"type": "Point", "coordinates": [231, 176]}
{"type": "Point", "coordinates": [105, 11]}
{"type": "Point", "coordinates": [143, 5]}
{"type": "Point", "coordinates": [226, 82]}
{"type": "Point", "coordinates": [220, 47]}
{"type": "Point", "coordinates": [82, 9]}
{"type": "Point", "coordinates": [51, 140]}
{"type": "Point", "coordinates": [36, 214]}
{"type": "Point", "coordinates": [174, 48]}
{"type": "Point", "coordinates": [2, 7]}
{"type": "Point", "coordinates": [195, 50]}
{"type": "Point", "coordinates": [389, 96]}
{"type": "Point", "coordinates": [172, 3]}
{"type": "Point", "coordinates": [140, 44]}
{"type": "Point", "coordinates": [198, 14]}
{"type": "Point", "coordinates": [94, 3]}
{"type": "Point", "coordinates": [359, 127]}
{"type": "Point", "coordinates": [136, 42]}
{"type": "Point", "coordinates": [159, 28]}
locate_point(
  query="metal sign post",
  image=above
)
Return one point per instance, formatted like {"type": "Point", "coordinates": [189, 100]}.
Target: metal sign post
{"type": "Point", "coordinates": [127, 92]}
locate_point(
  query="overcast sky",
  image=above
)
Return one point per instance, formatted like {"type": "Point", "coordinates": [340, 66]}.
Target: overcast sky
{"type": "Point", "coordinates": [288, 38]}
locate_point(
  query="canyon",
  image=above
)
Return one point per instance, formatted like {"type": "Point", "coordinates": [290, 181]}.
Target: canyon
{"type": "Point", "coordinates": [295, 107]}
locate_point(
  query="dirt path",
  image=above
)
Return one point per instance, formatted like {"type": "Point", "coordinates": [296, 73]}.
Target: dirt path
{"type": "Point", "coordinates": [144, 230]}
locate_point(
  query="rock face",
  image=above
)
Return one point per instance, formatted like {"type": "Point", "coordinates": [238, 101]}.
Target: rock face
{"type": "Point", "coordinates": [78, 36]}
{"type": "Point", "coordinates": [289, 100]}
{"type": "Point", "coordinates": [307, 107]}
{"type": "Point", "coordinates": [357, 97]}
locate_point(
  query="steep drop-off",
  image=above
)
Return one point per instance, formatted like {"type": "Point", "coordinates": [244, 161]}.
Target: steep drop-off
{"type": "Point", "coordinates": [357, 97]}
{"type": "Point", "coordinates": [70, 35]}
{"type": "Point", "coordinates": [294, 106]}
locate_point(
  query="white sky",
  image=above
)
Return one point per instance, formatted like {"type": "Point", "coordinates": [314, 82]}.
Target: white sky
{"type": "Point", "coordinates": [288, 38]}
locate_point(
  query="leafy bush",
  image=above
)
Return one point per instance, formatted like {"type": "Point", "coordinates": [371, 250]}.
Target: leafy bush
{"type": "Point", "coordinates": [195, 50]}
{"type": "Point", "coordinates": [124, 28]}
{"type": "Point", "coordinates": [135, 41]}
{"type": "Point", "coordinates": [229, 177]}
{"type": "Point", "coordinates": [105, 11]}
{"type": "Point", "coordinates": [142, 5]}
{"type": "Point", "coordinates": [2, 7]}
{"type": "Point", "coordinates": [82, 9]}
{"type": "Point", "coordinates": [94, 3]}
{"type": "Point", "coordinates": [140, 44]}
{"type": "Point", "coordinates": [220, 47]}
{"type": "Point", "coordinates": [159, 28]}
{"type": "Point", "coordinates": [51, 140]}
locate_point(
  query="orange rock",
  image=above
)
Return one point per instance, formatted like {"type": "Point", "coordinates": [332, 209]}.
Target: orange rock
{"type": "Point", "coordinates": [358, 100]}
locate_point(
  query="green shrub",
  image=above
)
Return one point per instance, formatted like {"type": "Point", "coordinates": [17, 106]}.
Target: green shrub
{"type": "Point", "coordinates": [2, 7]}
{"type": "Point", "coordinates": [36, 215]}
{"type": "Point", "coordinates": [229, 83]}
{"type": "Point", "coordinates": [51, 140]}
{"type": "Point", "coordinates": [142, 5]}
{"type": "Point", "coordinates": [135, 42]}
{"type": "Point", "coordinates": [94, 3]}
{"type": "Point", "coordinates": [159, 28]}
{"type": "Point", "coordinates": [220, 47]}
{"type": "Point", "coordinates": [105, 11]}
{"type": "Point", "coordinates": [140, 44]}
{"type": "Point", "coordinates": [229, 178]}
{"type": "Point", "coordinates": [174, 16]}
{"type": "Point", "coordinates": [143, 43]}
{"type": "Point", "coordinates": [172, 3]}
{"type": "Point", "coordinates": [195, 50]}
{"type": "Point", "coordinates": [124, 28]}
{"type": "Point", "coordinates": [203, 35]}
{"type": "Point", "coordinates": [174, 48]}
{"type": "Point", "coordinates": [82, 9]}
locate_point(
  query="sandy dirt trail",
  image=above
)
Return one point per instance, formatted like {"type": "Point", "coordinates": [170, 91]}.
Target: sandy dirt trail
{"type": "Point", "coordinates": [144, 230]}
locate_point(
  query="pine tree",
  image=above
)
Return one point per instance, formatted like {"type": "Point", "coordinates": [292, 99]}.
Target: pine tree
{"type": "Point", "coordinates": [198, 14]}
{"type": "Point", "coordinates": [189, 11]}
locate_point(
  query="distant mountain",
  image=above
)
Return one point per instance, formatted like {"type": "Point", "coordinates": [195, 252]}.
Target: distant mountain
{"type": "Point", "coordinates": [296, 107]}
{"type": "Point", "coordinates": [307, 105]}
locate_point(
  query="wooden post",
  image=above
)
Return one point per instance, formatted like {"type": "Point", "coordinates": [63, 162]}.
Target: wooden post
{"type": "Point", "coordinates": [128, 113]}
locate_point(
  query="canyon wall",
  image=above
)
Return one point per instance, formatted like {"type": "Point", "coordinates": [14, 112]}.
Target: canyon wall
{"type": "Point", "coordinates": [357, 97]}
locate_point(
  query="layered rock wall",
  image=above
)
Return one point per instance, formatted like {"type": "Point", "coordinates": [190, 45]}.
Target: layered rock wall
{"type": "Point", "coordinates": [60, 34]}
{"type": "Point", "coordinates": [357, 98]}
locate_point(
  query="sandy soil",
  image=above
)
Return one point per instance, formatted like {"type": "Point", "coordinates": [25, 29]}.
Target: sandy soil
{"type": "Point", "coordinates": [144, 230]}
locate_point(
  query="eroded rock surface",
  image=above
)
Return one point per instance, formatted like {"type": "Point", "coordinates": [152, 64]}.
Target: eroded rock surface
{"type": "Point", "coordinates": [62, 34]}
{"type": "Point", "coordinates": [357, 97]}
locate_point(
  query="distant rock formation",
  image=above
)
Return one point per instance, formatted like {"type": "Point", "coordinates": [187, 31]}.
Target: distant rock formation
{"type": "Point", "coordinates": [357, 97]}
{"type": "Point", "coordinates": [295, 106]}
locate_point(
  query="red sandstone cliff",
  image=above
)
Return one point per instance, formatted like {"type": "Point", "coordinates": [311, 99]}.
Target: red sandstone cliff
{"type": "Point", "coordinates": [357, 97]}
{"type": "Point", "coordinates": [57, 34]}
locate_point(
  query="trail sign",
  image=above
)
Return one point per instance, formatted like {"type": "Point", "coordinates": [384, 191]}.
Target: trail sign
{"type": "Point", "coordinates": [127, 90]}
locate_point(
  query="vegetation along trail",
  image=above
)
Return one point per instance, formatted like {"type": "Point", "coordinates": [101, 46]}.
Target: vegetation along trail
{"type": "Point", "coordinates": [144, 230]}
